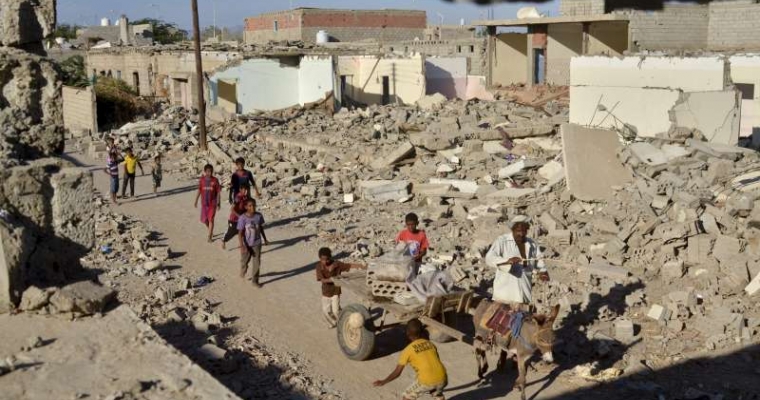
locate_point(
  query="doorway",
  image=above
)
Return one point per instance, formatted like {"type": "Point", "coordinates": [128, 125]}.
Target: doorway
{"type": "Point", "coordinates": [539, 66]}
{"type": "Point", "coordinates": [386, 90]}
{"type": "Point", "coordinates": [136, 82]}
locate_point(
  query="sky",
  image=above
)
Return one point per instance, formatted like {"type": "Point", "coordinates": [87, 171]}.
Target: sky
{"type": "Point", "coordinates": [231, 13]}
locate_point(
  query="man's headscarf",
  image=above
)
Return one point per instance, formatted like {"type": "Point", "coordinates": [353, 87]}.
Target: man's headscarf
{"type": "Point", "coordinates": [519, 219]}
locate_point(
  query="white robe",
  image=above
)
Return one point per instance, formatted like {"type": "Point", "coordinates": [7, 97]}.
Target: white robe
{"type": "Point", "coordinates": [508, 288]}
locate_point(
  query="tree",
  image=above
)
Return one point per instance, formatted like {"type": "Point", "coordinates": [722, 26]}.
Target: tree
{"type": "Point", "coordinates": [67, 31]}
{"type": "Point", "coordinates": [73, 72]}
{"type": "Point", "coordinates": [164, 32]}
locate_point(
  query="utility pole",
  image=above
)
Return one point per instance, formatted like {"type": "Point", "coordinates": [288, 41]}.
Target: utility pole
{"type": "Point", "coordinates": [199, 77]}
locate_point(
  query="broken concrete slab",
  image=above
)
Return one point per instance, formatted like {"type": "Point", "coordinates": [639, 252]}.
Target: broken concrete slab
{"type": "Point", "coordinates": [517, 167]}
{"type": "Point", "coordinates": [726, 247]}
{"type": "Point", "coordinates": [717, 150]}
{"type": "Point", "coordinates": [659, 313]}
{"type": "Point", "coordinates": [431, 102]}
{"type": "Point", "coordinates": [384, 190]}
{"type": "Point", "coordinates": [517, 131]}
{"type": "Point", "coordinates": [673, 152]}
{"type": "Point", "coordinates": [716, 114]}
{"type": "Point", "coordinates": [607, 271]}
{"type": "Point", "coordinates": [404, 151]}
{"type": "Point", "coordinates": [591, 164]}
{"type": "Point", "coordinates": [430, 141]}
{"type": "Point", "coordinates": [551, 170]}
{"type": "Point", "coordinates": [511, 193]}
{"type": "Point", "coordinates": [494, 147]}
{"type": "Point", "coordinates": [754, 286]}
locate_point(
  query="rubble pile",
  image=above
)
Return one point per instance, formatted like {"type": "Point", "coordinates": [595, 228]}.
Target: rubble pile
{"type": "Point", "coordinates": [652, 246]}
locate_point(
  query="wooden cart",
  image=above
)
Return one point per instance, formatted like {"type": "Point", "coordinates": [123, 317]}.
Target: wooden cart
{"type": "Point", "coordinates": [357, 326]}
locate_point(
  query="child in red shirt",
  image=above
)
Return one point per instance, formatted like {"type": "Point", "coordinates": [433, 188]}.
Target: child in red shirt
{"type": "Point", "coordinates": [415, 239]}
{"type": "Point", "coordinates": [209, 190]}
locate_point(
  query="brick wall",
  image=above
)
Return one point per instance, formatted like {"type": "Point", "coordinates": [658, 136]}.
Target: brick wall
{"type": "Point", "coordinates": [581, 7]}
{"type": "Point", "coordinates": [734, 25]}
{"type": "Point", "coordinates": [341, 25]}
{"type": "Point", "coordinates": [677, 26]}
{"type": "Point", "coordinates": [79, 110]}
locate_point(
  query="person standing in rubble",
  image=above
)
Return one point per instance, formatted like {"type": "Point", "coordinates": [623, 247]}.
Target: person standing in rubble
{"type": "Point", "coordinates": [515, 258]}
{"type": "Point", "coordinates": [240, 177]}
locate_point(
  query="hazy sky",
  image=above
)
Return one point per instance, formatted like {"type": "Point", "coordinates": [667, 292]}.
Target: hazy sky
{"type": "Point", "coordinates": [232, 12]}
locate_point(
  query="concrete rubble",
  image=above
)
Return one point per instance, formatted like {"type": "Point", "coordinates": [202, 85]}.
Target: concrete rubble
{"type": "Point", "coordinates": [634, 223]}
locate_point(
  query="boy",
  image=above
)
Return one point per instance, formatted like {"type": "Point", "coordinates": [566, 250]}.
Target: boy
{"type": "Point", "coordinates": [327, 268]}
{"type": "Point", "coordinates": [157, 173]}
{"type": "Point", "coordinates": [251, 233]}
{"type": "Point", "coordinates": [239, 177]}
{"type": "Point", "coordinates": [415, 239]}
{"type": "Point", "coordinates": [112, 169]}
{"type": "Point", "coordinates": [423, 356]}
{"type": "Point", "coordinates": [236, 210]}
{"type": "Point", "coordinates": [209, 188]}
{"type": "Point", "coordinates": [130, 171]}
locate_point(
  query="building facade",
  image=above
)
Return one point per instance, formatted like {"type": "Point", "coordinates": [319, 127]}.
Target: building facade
{"type": "Point", "coordinates": [340, 25]}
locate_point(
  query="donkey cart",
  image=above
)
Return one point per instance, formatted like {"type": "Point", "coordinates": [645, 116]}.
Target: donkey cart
{"type": "Point", "coordinates": [357, 326]}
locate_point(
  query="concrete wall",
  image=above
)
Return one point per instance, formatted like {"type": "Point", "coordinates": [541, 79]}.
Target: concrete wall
{"type": "Point", "coordinates": [745, 69]}
{"type": "Point", "coordinates": [638, 91]}
{"type": "Point", "coordinates": [272, 84]}
{"type": "Point", "coordinates": [447, 76]}
{"type": "Point", "coordinates": [474, 49]}
{"type": "Point", "coordinates": [79, 110]}
{"type": "Point", "coordinates": [341, 25]}
{"type": "Point", "coordinates": [510, 62]}
{"type": "Point", "coordinates": [734, 25]}
{"type": "Point", "coordinates": [677, 26]}
{"type": "Point", "coordinates": [364, 78]}
{"type": "Point", "coordinates": [581, 7]}
{"type": "Point", "coordinates": [565, 41]}
{"type": "Point", "coordinates": [607, 38]}
{"type": "Point", "coordinates": [717, 114]}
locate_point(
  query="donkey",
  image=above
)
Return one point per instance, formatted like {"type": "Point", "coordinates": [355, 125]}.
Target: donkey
{"type": "Point", "coordinates": [536, 335]}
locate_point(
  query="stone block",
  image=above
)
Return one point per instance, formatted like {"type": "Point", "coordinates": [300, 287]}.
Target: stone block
{"type": "Point", "coordinates": [26, 21]}
{"type": "Point", "coordinates": [699, 248]}
{"type": "Point", "coordinates": [430, 141]}
{"type": "Point", "coordinates": [83, 297]}
{"type": "Point", "coordinates": [460, 185]}
{"type": "Point", "coordinates": [73, 207]}
{"type": "Point", "coordinates": [494, 147]}
{"type": "Point", "coordinates": [624, 330]}
{"type": "Point", "coordinates": [34, 298]}
{"type": "Point", "coordinates": [648, 154]}
{"type": "Point", "coordinates": [348, 198]}
{"type": "Point", "coordinates": [592, 168]}
{"type": "Point", "coordinates": [659, 313]}
{"type": "Point", "coordinates": [310, 191]}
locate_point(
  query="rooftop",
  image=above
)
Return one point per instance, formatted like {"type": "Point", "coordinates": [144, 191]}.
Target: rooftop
{"type": "Point", "coordinates": [553, 20]}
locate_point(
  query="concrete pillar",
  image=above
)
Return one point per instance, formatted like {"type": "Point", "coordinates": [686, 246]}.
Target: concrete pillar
{"type": "Point", "coordinates": [490, 53]}
{"type": "Point", "coordinates": [124, 30]}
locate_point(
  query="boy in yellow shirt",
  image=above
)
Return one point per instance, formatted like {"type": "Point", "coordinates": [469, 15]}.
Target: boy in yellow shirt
{"type": "Point", "coordinates": [130, 171]}
{"type": "Point", "coordinates": [423, 356]}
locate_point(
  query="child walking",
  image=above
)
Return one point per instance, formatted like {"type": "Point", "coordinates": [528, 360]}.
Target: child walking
{"type": "Point", "coordinates": [131, 162]}
{"type": "Point", "coordinates": [327, 268]}
{"type": "Point", "coordinates": [238, 208]}
{"type": "Point", "coordinates": [210, 189]}
{"type": "Point", "coordinates": [112, 169]}
{"type": "Point", "coordinates": [422, 354]}
{"type": "Point", "coordinates": [251, 235]}
{"type": "Point", "coordinates": [157, 173]}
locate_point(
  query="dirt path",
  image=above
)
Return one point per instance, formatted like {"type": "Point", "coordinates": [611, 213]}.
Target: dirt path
{"type": "Point", "coordinates": [285, 313]}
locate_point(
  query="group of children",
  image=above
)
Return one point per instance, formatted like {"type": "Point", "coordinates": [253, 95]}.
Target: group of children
{"type": "Point", "coordinates": [131, 163]}
{"type": "Point", "coordinates": [248, 225]}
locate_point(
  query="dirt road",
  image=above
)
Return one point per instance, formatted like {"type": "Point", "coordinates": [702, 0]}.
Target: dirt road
{"type": "Point", "coordinates": [285, 313]}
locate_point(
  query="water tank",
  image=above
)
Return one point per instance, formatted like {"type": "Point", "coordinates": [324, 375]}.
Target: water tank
{"type": "Point", "coordinates": [322, 37]}
{"type": "Point", "coordinates": [105, 22]}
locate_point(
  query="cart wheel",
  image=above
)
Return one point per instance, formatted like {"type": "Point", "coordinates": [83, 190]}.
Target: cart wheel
{"type": "Point", "coordinates": [356, 333]}
{"type": "Point", "coordinates": [440, 337]}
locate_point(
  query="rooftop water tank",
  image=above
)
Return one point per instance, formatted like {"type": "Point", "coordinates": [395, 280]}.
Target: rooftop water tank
{"type": "Point", "coordinates": [322, 37]}
{"type": "Point", "coordinates": [105, 22]}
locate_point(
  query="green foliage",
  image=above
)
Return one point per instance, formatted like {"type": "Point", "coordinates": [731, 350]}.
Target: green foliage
{"type": "Point", "coordinates": [67, 31]}
{"type": "Point", "coordinates": [164, 32]}
{"type": "Point", "coordinates": [73, 72]}
{"type": "Point", "coordinates": [118, 103]}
